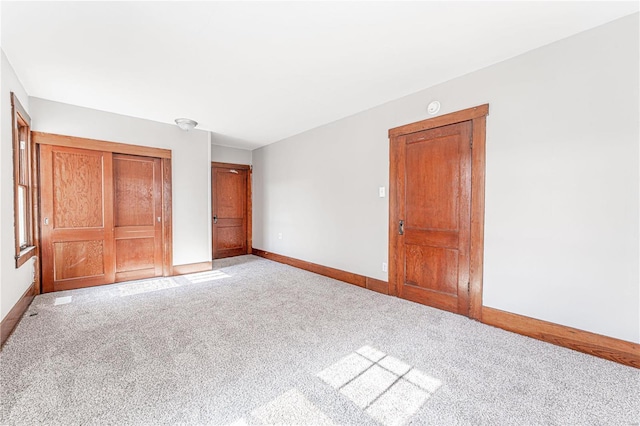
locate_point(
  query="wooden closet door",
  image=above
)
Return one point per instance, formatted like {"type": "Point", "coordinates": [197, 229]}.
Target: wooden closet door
{"type": "Point", "coordinates": [76, 218]}
{"type": "Point", "coordinates": [137, 216]}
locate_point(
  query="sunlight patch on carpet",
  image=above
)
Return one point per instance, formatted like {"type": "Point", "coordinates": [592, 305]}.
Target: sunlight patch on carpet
{"type": "Point", "coordinates": [202, 277]}
{"type": "Point", "coordinates": [139, 287]}
{"type": "Point", "coordinates": [386, 388]}
{"type": "Point", "coordinates": [290, 408]}
{"type": "Point", "coordinates": [62, 300]}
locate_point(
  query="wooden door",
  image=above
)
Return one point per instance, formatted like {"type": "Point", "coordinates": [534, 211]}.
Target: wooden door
{"type": "Point", "coordinates": [229, 209]}
{"type": "Point", "coordinates": [433, 205]}
{"type": "Point", "coordinates": [76, 218]}
{"type": "Point", "coordinates": [137, 216]}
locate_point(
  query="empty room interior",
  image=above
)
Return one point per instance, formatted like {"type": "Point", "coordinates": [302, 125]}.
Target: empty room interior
{"type": "Point", "coordinates": [323, 212]}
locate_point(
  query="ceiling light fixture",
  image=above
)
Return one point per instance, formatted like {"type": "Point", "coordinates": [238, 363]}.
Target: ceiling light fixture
{"type": "Point", "coordinates": [186, 123]}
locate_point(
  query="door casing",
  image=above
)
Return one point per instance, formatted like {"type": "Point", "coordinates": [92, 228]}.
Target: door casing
{"type": "Point", "coordinates": [477, 117]}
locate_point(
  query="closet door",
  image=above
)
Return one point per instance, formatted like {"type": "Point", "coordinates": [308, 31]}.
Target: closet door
{"type": "Point", "coordinates": [137, 216]}
{"type": "Point", "coordinates": [76, 218]}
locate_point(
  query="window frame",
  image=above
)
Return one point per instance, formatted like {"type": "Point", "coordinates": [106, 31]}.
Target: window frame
{"type": "Point", "coordinates": [22, 177]}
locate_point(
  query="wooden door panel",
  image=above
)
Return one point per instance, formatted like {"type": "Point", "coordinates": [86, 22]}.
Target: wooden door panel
{"type": "Point", "coordinates": [76, 219]}
{"type": "Point", "coordinates": [434, 299]}
{"type": "Point", "coordinates": [137, 216]}
{"type": "Point", "coordinates": [432, 268]}
{"type": "Point", "coordinates": [231, 193]}
{"type": "Point", "coordinates": [432, 170]}
{"type": "Point", "coordinates": [230, 238]}
{"type": "Point", "coordinates": [431, 238]}
{"type": "Point", "coordinates": [78, 259]}
{"type": "Point", "coordinates": [433, 173]}
{"type": "Point", "coordinates": [78, 199]}
{"type": "Point", "coordinates": [134, 191]}
{"type": "Point", "coordinates": [229, 208]}
{"type": "Point", "coordinates": [135, 254]}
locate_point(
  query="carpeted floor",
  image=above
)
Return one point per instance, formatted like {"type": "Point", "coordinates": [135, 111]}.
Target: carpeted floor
{"type": "Point", "coordinates": [257, 342]}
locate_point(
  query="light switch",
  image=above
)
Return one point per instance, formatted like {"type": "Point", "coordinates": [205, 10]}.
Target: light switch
{"type": "Point", "coordinates": [382, 192]}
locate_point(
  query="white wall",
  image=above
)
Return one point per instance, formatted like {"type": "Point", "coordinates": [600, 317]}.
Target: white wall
{"type": "Point", "coordinates": [225, 154]}
{"type": "Point", "coordinates": [191, 168]}
{"type": "Point", "coordinates": [13, 282]}
{"type": "Point", "coordinates": [562, 182]}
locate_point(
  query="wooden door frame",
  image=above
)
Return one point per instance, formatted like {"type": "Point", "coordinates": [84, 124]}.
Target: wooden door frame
{"type": "Point", "coordinates": [249, 169]}
{"type": "Point", "coordinates": [477, 117]}
{"type": "Point", "coordinates": [42, 138]}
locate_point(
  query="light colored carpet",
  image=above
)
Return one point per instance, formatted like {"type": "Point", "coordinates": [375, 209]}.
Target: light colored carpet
{"type": "Point", "coordinates": [257, 342]}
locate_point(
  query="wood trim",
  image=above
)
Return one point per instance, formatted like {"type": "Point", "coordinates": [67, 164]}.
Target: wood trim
{"type": "Point", "coordinates": [395, 189]}
{"type": "Point", "coordinates": [377, 285]}
{"type": "Point", "coordinates": [609, 348]}
{"type": "Point", "coordinates": [336, 274]}
{"type": "Point", "coordinates": [167, 219]}
{"type": "Point", "coordinates": [12, 319]}
{"type": "Point", "coordinates": [43, 138]}
{"type": "Point", "coordinates": [20, 117]}
{"type": "Point", "coordinates": [476, 248]}
{"type": "Point", "coordinates": [443, 120]}
{"type": "Point", "coordinates": [25, 255]}
{"type": "Point", "coordinates": [249, 211]}
{"type": "Point", "coordinates": [477, 116]}
{"type": "Point", "coordinates": [17, 106]}
{"type": "Point", "coordinates": [191, 268]}
{"type": "Point", "coordinates": [231, 166]}
{"type": "Point", "coordinates": [35, 176]}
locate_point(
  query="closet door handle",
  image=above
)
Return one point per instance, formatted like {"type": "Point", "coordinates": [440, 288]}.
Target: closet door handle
{"type": "Point", "coordinates": [215, 219]}
{"type": "Point", "coordinates": [401, 227]}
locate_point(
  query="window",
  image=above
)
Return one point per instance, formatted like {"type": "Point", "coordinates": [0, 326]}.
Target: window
{"type": "Point", "coordinates": [22, 182]}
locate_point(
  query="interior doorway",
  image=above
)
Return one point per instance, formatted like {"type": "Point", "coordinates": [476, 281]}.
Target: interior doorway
{"type": "Point", "coordinates": [230, 209]}
{"type": "Point", "coordinates": [436, 211]}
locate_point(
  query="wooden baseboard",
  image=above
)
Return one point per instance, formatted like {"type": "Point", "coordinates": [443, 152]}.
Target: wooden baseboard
{"type": "Point", "coordinates": [336, 274]}
{"type": "Point", "coordinates": [12, 319]}
{"type": "Point", "coordinates": [192, 268]}
{"type": "Point", "coordinates": [610, 348]}
{"type": "Point", "coordinates": [377, 285]}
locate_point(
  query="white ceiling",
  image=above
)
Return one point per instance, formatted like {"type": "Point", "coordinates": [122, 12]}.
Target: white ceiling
{"type": "Point", "coordinates": [257, 72]}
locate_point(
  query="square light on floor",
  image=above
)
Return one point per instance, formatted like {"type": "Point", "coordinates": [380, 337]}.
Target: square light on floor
{"type": "Point", "coordinates": [398, 404]}
{"type": "Point", "coordinates": [345, 370]}
{"type": "Point", "coordinates": [62, 300]}
{"type": "Point", "coordinates": [367, 387]}
{"type": "Point", "coordinates": [291, 408]}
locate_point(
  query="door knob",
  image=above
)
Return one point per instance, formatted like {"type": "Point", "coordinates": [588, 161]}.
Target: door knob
{"type": "Point", "coordinates": [401, 227]}
{"type": "Point", "coordinates": [215, 219]}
